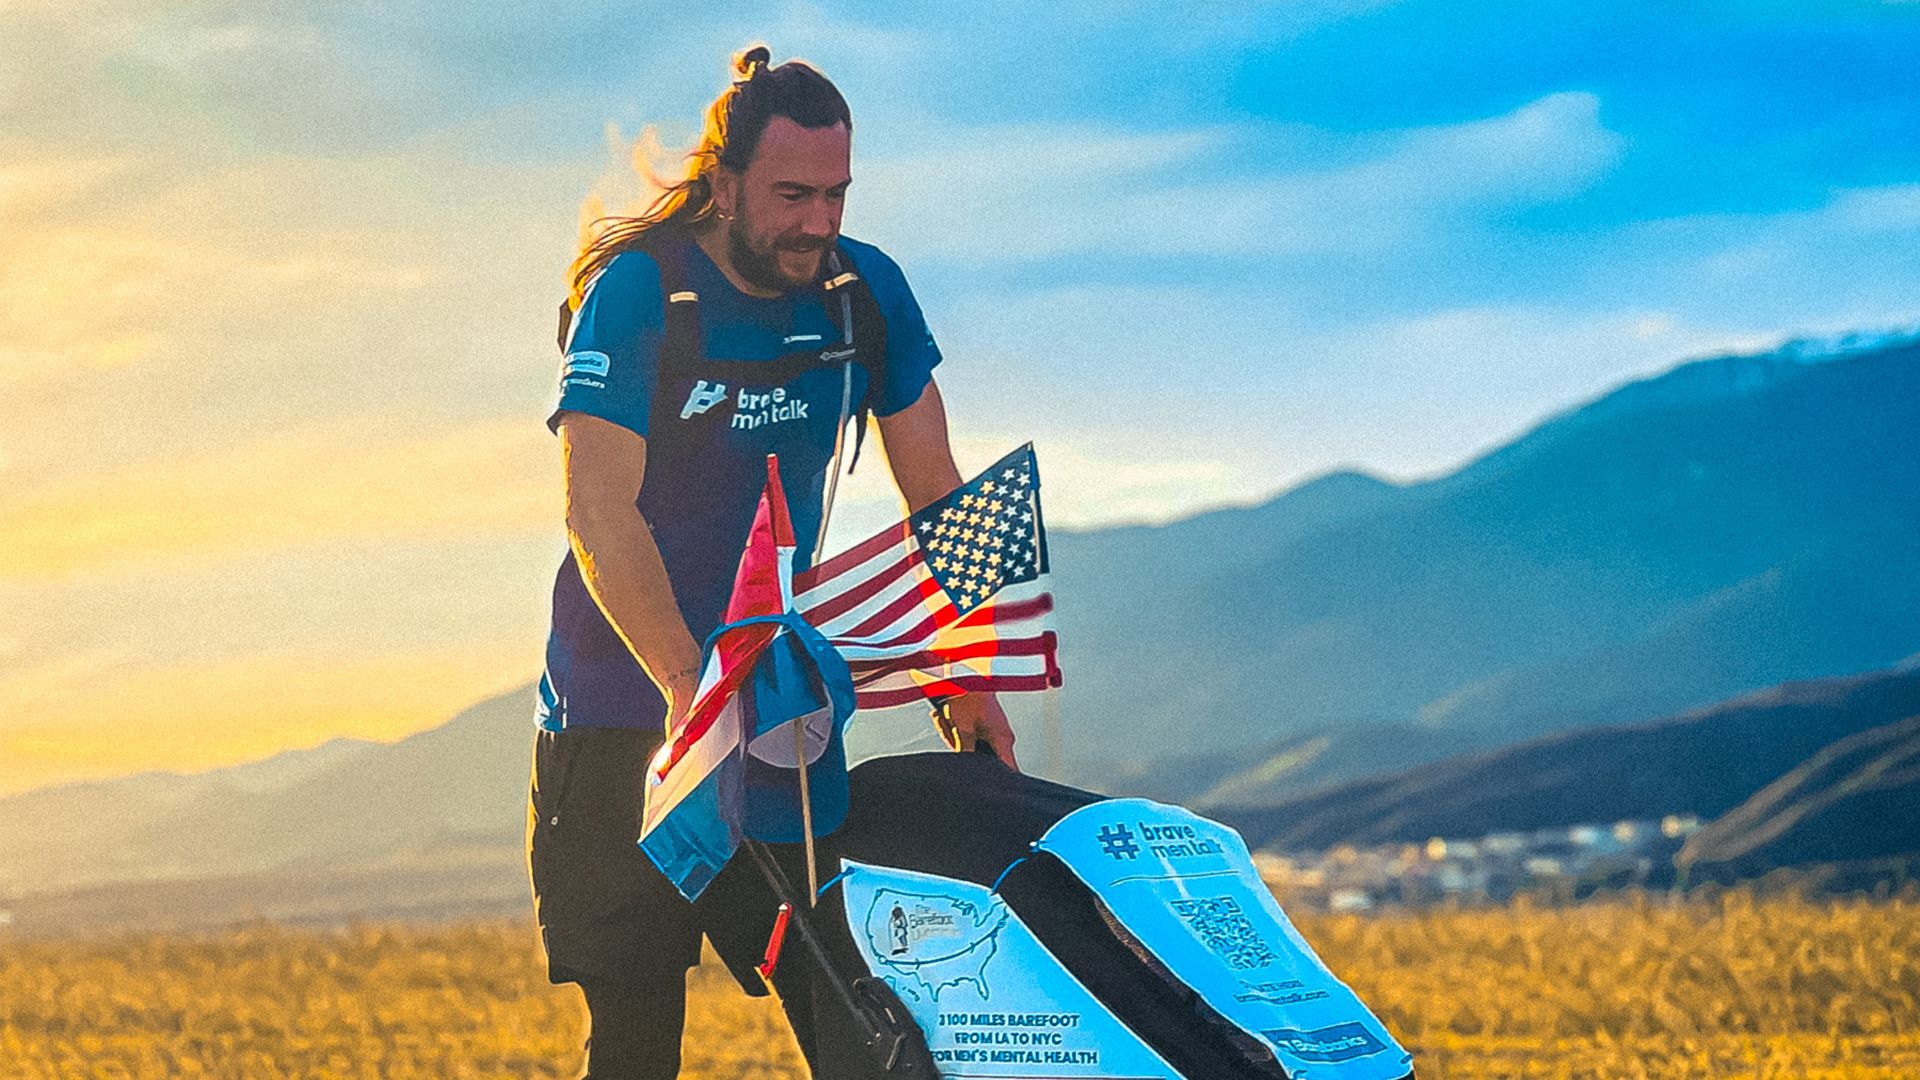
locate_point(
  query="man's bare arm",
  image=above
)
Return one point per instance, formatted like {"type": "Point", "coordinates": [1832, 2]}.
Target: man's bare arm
{"type": "Point", "coordinates": [619, 561]}
{"type": "Point", "coordinates": [918, 453]}
{"type": "Point", "coordinates": [921, 459]}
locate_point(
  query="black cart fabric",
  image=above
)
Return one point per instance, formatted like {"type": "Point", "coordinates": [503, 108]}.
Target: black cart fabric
{"type": "Point", "coordinates": [967, 817]}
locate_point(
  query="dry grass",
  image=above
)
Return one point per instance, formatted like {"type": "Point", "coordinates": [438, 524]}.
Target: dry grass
{"type": "Point", "coordinates": [1726, 988]}
{"type": "Point", "coordinates": [1732, 987]}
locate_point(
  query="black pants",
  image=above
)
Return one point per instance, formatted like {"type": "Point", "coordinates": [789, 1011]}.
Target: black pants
{"type": "Point", "coordinates": [635, 1028]}
{"type": "Point", "coordinates": [612, 923]}
{"type": "Point", "coordinates": [605, 913]}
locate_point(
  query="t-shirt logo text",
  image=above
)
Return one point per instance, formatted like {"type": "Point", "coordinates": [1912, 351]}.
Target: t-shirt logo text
{"type": "Point", "coordinates": [754, 410]}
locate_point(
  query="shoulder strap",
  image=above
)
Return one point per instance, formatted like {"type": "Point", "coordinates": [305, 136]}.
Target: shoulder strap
{"type": "Point", "coordinates": [680, 342]}
{"type": "Point", "coordinates": [862, 326]}
{"type": "Point", "coordinates": [682, 319]}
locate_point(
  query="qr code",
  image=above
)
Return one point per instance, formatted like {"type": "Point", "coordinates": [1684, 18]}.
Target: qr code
{"type": "Point", "coordinates": [1221, 926]}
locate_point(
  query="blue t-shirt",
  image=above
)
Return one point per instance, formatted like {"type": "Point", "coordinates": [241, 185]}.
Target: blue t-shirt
{"type": "Point", "coordinates": [707, 466]}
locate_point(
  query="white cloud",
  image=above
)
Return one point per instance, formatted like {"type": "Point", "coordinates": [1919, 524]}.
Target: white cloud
{"type": "Point", "coordinates": [1090, 478]}
{"type": "Point", "coordinates": [1876, 210]}
{"type": "Point", "coordinates": [1038, 191]}
{"type": "Point", "coordinates": [177, 309]}
{"type": "Point", "coordinates": [1852, 261]}
{"type": "Point", "coordinates": [1250, 372]}
{"type": "Point", "coordinates": [809, 31]}
{"type": "Point", "coordinates": [1547, 149]}
{"type": "Point", "coordinates": [202, 47]}
{"type": "Point", "coordinates": [1241, 392]}
{"type": "Point", "coordinates": [33, 185]}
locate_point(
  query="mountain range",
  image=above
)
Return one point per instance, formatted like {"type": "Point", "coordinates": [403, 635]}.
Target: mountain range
{"type": "Point", "coordinates": [1733, 524]}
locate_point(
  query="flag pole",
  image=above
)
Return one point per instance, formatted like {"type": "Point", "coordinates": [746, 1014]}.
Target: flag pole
{"type": "Point", "coordinates": [806, 808]}
{"type": "Point", "coordinates": [819, 545]}
{"type": "Point", "coordinates": [1050, 715]}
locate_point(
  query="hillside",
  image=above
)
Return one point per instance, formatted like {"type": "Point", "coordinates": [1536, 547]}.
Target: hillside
{"type": "Point", "coordinates": [344, 804]}
{"type": "Point", "coordinates": [1735, 523]}
{"type": "Point", "coordinates": [1854, 801]}
{"type": "Point", "coordinates": [1786, 767]}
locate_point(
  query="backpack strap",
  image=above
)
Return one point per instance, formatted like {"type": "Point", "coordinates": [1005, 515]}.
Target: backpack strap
{"type": "Point", "coordinates": [863, 328]}
{"type": "Point", "coordinates": [681, 342]}
{"type": "Point", "coordinates": [681, 338]}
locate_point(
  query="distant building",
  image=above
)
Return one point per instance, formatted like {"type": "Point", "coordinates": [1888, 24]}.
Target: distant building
{"type": "Point", "coordinates": [1346, 900]}
{"type": "Point", "coordinates": [1679, 826]}
{"type": "Point", "coordinates": [1558, 864]}
{"type": "Point", "coordinates": [1504, 843]}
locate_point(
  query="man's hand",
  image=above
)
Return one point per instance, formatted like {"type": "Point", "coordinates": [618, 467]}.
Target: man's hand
{"type": "Point", "coordinates": [971, 719]}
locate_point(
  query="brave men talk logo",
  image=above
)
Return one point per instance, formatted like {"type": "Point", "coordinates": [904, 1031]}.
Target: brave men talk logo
{"type": "Point", "coordinates": [1176, 841]}
{"type": "Point", "coordinates": [751, 408]}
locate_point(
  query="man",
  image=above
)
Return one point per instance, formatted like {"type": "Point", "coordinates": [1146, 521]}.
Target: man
{"type": "Point", "coordinates": [702, 336]}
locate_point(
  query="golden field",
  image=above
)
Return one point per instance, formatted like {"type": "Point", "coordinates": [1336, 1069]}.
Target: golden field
{"type": "Point", "coordinates": [1728, 987]}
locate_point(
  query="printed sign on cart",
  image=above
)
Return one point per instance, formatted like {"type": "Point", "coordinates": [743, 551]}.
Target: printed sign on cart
{"type": "Point", "coordinates": [991, 999]}
{"type": "Point", "coordinates": [1186, 887]}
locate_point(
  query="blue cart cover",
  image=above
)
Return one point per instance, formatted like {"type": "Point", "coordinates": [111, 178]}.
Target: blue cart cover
{"type": "Point", "coordinates": [991, 999]}
{"type": "Point", "coordinates": [1185, 887]}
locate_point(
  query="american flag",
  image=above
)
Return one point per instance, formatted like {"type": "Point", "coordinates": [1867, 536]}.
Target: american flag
{"type": "Point", "coordinates": [952, 600]}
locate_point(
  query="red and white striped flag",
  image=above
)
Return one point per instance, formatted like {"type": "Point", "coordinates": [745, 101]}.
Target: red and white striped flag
{"type": "Point", "coordinates": [953, 600]}
{"type": "Point", "coordinates": [730, 768]}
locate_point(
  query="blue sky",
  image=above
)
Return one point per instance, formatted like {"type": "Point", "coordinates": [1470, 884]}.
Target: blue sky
{"type": "Point", "coordinates": [277, 287]}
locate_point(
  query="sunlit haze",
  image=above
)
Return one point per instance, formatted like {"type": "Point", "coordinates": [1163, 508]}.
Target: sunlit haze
{"type": "Point", "coordinates": [277, 287]}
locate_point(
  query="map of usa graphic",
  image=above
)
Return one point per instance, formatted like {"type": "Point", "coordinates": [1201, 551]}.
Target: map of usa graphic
{"type": "Point", "coordinates": [933, 942]}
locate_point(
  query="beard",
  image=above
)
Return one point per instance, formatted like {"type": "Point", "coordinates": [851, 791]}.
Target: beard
{"type": "Point", "coordinates": [762, 267]}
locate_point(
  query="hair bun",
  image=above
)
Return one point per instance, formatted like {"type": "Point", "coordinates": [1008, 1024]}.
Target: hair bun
{"type": "Point", "coordinates": [747, 60]}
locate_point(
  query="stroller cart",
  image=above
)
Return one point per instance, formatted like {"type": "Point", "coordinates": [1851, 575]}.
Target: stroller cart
{"type": "Point", "coordinates": [977, 922]}
{"type": "Point", "coordinates": [984, 923]}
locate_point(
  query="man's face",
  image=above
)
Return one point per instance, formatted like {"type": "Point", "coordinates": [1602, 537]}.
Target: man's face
{"type": "Point", "coordinates": [787, 204]}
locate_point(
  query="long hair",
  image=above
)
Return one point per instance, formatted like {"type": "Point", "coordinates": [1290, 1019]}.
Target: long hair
{"type": "Point", "coordinates": [734, 123]}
